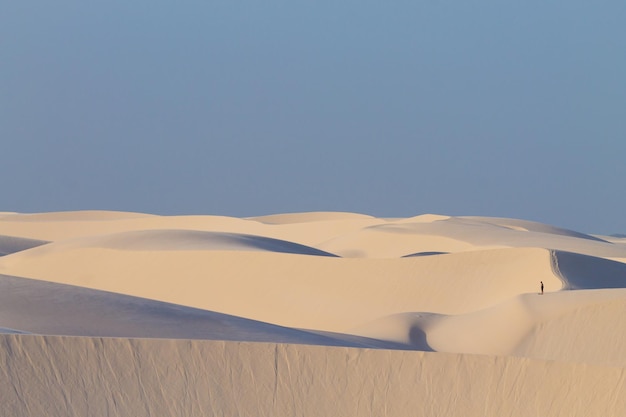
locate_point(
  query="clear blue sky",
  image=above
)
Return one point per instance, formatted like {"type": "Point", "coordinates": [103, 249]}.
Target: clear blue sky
{"type": "Point", "coordinates": [242, 108]}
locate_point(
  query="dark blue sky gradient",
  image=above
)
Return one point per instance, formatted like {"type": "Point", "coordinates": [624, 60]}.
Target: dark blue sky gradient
{"type": "Point", "coordinates": [510, 109]}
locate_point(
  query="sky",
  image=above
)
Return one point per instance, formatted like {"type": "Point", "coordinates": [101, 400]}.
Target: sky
{"type": "Point", "coordinates": [245, 108]}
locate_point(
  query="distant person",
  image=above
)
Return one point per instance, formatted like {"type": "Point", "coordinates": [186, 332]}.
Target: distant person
{"type": "Point", "coordinates": [541, 287]}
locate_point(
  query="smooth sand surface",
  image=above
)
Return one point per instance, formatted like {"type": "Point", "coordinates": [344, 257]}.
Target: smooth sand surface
{"type": "Point", "coordinates": [112, 313]}
{"type": "Point", "coordinates": [63, 376]}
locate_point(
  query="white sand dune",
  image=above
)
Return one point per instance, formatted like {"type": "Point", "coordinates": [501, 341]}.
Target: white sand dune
{"type": "Point", "coordinates": [39, 307]}
{"type": "Point", "coordinates": [527, 226]}
{"type": "Point", "coordinates": [185, 240]}
{"type": "Point", "coordinates": [313, 292]}
{"type": "Point", "coordinates": [308, 314]}
{"type": "Point", "coordinates": [544, 327]}
{"type": "Point", "coordinates": [456, 234]}
{"type": "Point", "coordinates": [77, 216]}
{"type": "Point", "coordinates": [319, 216]}
{"type": "Point", "coordinates": [60, 376]}
{"type": "Point", "coordinates": [68, 225]}
{"type": "Point", "coordinates": [310, 230]}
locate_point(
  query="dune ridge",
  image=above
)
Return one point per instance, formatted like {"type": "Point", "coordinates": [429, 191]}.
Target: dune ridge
{"type": "Point", "coordinates": [265, 313]}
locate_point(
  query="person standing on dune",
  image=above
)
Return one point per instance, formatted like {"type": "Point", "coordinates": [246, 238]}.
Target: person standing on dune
{"type": "Point", "coordinates": [541, 287]}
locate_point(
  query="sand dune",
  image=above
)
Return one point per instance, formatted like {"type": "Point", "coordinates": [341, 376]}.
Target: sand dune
{"type": "Point", "coordinates": [68, 225]}
{"type": "Point", "coordinates": [313, 292]}
{"type": "Point", "coordinates": [528, 226]}
{"type": "Point", "coordinates": [308, 314]}
{"type": "Point", "coordinates": [321, 216]}
{"type": "Point", "coordinates": [185, 240]}
{"type": "Point", "coordinates": [39, 307]}
{"type": "Point", "coordinates": [312, 229]}
{"type": "Point", "coordinates": [456, 234]}
{"type": "Point", "coordinates": [543, 327]}
{"type": "Point", "coordinates": [62, 376]}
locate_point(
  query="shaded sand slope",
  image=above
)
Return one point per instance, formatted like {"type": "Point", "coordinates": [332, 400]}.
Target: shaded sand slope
{"type": "Point", "coordinates": [33, 306]}
{"type": "Point", "coordinates": [12, 244]}
{"type": "Point", "coordinates": [312, 292]}
{"type": "Point", "coordinates": [120, 377]}
{"type": "Point", "coordinates": [177, 240]}
{"type": "Point", "coordinates": [584, 272]}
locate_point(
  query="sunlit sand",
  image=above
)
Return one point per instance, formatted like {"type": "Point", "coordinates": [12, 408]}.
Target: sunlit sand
{"type": "Point", "coordinates": [316, 314]}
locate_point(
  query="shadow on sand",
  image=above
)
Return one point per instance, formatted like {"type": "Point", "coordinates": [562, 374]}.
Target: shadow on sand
{"type": "Point", "coordinates": [418, 339]}
{"type": "Point", "coordinates": [588, 272]}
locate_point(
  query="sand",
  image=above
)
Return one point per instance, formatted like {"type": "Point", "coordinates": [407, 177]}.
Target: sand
{"type": "Point", "coordinates": [316, 314]}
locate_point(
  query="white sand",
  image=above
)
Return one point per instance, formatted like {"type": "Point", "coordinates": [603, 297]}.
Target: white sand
{"type": "Point", "coordinates": [314, 292]}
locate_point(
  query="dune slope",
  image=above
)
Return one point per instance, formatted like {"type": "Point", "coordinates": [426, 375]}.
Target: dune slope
{"type": "Point", "coordinates": [313, 292]}
{"type": "Point", "coordinates": [51, 375]}
{"type": "Point", "coordinates": [111, 313]}
{"type": "Point", "coordinates": [32, 306]}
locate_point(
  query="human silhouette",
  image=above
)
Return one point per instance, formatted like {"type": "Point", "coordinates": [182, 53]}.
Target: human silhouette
{"type": "Point", "coordinates": [541, 287]}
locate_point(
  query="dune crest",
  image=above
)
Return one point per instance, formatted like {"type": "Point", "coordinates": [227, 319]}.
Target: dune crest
{"type": "Point", "coordinates": [84, 215]}
{"type": "Point", "coordinates": [289, 218]}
